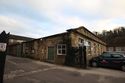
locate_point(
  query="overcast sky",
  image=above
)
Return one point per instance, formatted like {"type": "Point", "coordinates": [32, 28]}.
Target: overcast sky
{"type": "Point", "coordinates": [38, 18]}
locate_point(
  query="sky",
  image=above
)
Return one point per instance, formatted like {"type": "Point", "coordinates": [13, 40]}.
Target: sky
{"type": "Point", "coordinates": [39, 18]}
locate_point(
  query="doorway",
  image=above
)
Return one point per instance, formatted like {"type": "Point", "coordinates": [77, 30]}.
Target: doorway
{"type": "Point", "coordinates": [51, 53]}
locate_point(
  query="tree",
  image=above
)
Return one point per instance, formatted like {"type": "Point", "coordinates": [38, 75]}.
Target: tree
{"type": "Point", "coordinates": [113, 35]}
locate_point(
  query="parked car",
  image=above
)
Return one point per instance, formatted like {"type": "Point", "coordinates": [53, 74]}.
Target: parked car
{"type": "Point", "coordinates": [109, 59]}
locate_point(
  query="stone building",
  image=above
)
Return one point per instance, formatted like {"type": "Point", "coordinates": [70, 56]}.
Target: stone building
{"type": "Point", "coordinates": [15, 39]}
{"type": "Point", "coordinates": [30, 49]}
{"type": "Point", "coordinates": [15, 44]}
{"type": "Point", "coordinates": [56, 48]}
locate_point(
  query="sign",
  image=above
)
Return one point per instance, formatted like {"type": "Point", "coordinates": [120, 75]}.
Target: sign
{"type": "Point", "coordinates": [3, 47]}
{"type": "Point", "coordinates": [86, 43]}
{"type": "Point", "coordinates": [3, 44]}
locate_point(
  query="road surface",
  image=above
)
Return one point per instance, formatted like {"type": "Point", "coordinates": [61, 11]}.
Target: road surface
{"type": "Point", "coordinates": [23, 70]}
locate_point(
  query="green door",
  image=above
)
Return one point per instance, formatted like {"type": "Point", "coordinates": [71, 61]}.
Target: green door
{"type": "Point", "coordinates": [50, 53]}
{"type": "Point", "coordinates": [18, 50]}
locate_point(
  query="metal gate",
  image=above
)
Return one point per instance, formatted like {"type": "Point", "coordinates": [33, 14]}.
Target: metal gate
{"type": "Point", "coordinates": [76, 57]}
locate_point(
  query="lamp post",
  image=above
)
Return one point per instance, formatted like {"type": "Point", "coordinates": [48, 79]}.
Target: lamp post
{"type": "Point", "coordinates": [3, 45]}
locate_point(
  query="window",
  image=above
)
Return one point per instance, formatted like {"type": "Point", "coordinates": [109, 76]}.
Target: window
{"type": "Point", "coordinates": [11, 40]}
{"type": "Point", "coordinates": [61, 49]}
{"type": "Point", "coordinates": [26, 50]}
{"type": "Point", "coordinates": [110, 49]}
{"type": "Point", "coordinates": [106, 55]}
{"type": "Point", "coordinates": [32, 51]}
{"type": "Point", "coordinates": [81, 41]}
{"type": "Point", "coordinates": [118, 48]}
{"type": "Point", "coordinates": [116, 56]}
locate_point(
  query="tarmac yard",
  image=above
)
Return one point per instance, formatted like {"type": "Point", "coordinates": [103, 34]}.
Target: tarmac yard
{"type": "Point", "coordinates": [23, 70]}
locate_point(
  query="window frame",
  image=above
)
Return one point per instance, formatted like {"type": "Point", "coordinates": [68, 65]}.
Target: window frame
{"type": "Point", "coordinates": [110, 49]}
{"type": "Point", "coordinates": [106, 55]}
{"type": "Point", "coordinates": [61, 49]}
{"type": "Point", "coordinates": [113, 56]}
{"type": "Point", "coordinates": [81, 40]}
{"type": "Point", "coordinates": [118, 49]}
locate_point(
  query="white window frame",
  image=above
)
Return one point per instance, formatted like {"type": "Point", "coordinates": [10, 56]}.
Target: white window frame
{"type": "Point", "coordinates": [61, 49]}
{"type": "Point", "coordinates": [11, 40]}
{"type": "Point", "coordinates": [110, 49]}
{"type": "Point", "coordinates": [118, 49]}
{"type": "Point", "coordinates": [79, 41]}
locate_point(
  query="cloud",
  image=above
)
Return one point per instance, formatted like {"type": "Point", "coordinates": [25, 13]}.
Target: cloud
{"type": "Point", "coordinates": [20, 26]}
{"type": "Point", "coordinates": [39, 18]}
{"type": "Point", "coordinates": [107, 24]}
{"type": "Point", "coordinates": [105, 9]}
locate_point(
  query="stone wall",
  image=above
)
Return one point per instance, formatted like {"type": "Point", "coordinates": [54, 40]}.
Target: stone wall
{"type": "Point", "coordinates": [14, 50]}
{"type": "Point", "coordinates": [96, 46]}
{"type": "Point", "coordinates": [53, 41]}
{"type": "Point", "coordinates": [30, 49]}
{"type": "Point", "coordinates": [38, 49]}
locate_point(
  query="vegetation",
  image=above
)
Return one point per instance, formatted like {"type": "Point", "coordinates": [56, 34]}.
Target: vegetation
{"type": "Point", "coordinates": [113, 37]}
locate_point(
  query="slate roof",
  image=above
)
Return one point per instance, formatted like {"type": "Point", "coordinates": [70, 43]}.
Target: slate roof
{"type": "Point", "coordinates": [16, 37]}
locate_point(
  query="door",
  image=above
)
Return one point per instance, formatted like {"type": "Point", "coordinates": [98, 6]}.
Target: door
{"type": "Point", "coordinates": [117, 60]}
{"type": "Point", "coordinates": [18, 50]}
{"type": "Point", "coordinates": [105, 60]}
{"type": "Point", "coordinates": [51, 53]}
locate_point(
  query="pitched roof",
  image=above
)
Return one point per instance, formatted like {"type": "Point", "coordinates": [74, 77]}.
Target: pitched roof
{"type": "Point", "coordinates": [20, 37]}
{"type": "Point", "coordinates": [82, 27]}
{"type": "Point", "coordinates": [86, 30]}
{"type": "Point", "coordinates": [55, 35]}
{"type": "Point", "coordinates": [75, 29]}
